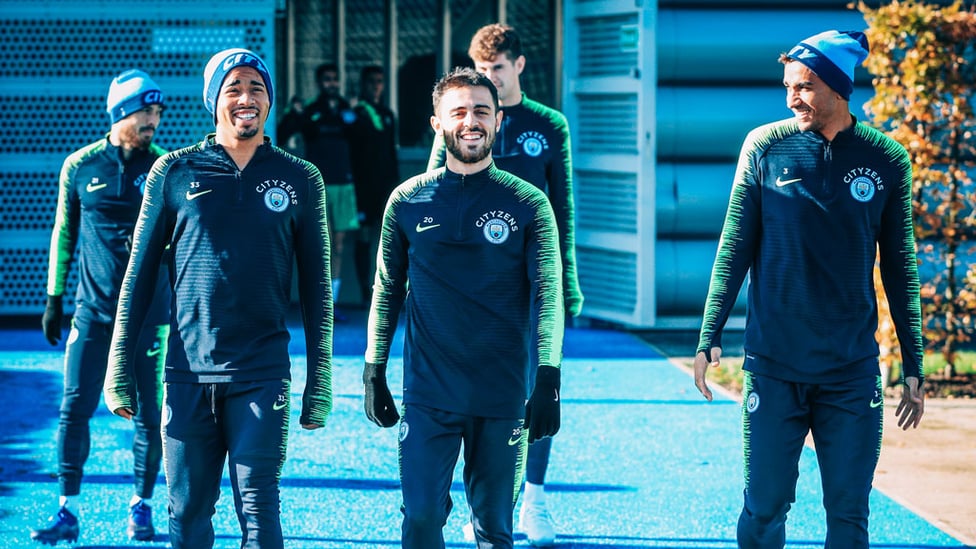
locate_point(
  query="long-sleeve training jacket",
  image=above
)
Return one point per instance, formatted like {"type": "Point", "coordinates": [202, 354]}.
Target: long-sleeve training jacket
{"type": "Point", "coordinates": [99, 196]}
{"type": "Point", "coordinates": [234, 236]}
{"type": "Point", "coordinates": [534, 144]}
{"type": "Point", "coordinates": [475, 261]}
{"type": "Point", "coordinates": [807, 219]}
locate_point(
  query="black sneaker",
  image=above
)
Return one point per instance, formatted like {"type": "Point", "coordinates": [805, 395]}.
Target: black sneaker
{"type": "Point", "coordinates": [140, 523]}
{"type": "Point", "coordinates": [63, 526]}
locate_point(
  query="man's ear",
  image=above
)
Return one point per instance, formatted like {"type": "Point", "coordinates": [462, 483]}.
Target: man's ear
{"type": "Point", "coordinates": [435, 123]}
{"type": "Point", "coordinates": [520, 64]}
{"type": "Point", "coordinates": [498, 120]}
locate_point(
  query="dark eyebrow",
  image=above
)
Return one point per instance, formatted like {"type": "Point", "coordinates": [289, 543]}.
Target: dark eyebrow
{"type": "Point", "coordinates": [237, 82]}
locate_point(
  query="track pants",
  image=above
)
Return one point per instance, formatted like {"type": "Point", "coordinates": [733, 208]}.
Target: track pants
{"type": "Point", "coordinates": [85, 364]}
{"type": "Point", "coordinates": [494, 457]}
{"type": "Point", "coordinates": [846, 422]}
{"type": "Point", "coordinates": [245, 423]}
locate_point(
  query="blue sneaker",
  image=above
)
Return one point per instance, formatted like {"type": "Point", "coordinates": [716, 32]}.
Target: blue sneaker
{"type": "Point", "coordinates": [140, 522]}
{"type": "Point", "coordinates": [63, 526]}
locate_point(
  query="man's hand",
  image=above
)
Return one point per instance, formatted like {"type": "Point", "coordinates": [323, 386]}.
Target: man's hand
{"type": "Point", "coordinates": [702, 362]}
{"type": "Point", "coordinates": [51, 321]}
{"type": "Point", "coordinates": [124, 412]}
{"type": "Point", "coordinates": [380, 408]}
{"type": "Point", "coordinates": [542, 410]}
{"type": "Point", "coordinates": [912, 405]}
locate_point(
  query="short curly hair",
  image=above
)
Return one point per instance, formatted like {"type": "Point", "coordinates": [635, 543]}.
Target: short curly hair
{"type": "Point", "coordinates": [493, 40]}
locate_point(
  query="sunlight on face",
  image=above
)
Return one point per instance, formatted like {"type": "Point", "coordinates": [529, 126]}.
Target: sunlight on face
{"type": "Point", "coordinates": [812, 101]}
{"type": "Point", "coordinates": [243, 103]}
{"type": "Point", "coordinates": [137, 130]}
{"type": "Point", "coordinates": [469, 121]}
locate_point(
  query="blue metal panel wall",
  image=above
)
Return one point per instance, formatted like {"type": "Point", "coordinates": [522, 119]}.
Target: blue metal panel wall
{"type": "Point", "coordinates": [59, 58]}
{"type": "Point", "coordinates": [718, 77]}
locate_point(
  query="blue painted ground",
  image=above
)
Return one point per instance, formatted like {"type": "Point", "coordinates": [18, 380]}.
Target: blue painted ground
{"type": "Point", "coordinates": [641, 461]}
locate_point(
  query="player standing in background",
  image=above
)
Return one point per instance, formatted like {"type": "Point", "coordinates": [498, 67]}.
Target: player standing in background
{"type": "Point", "coordinates": [534, 144]}
{"type": "Point", "coordinates": [816, 199]}
{"type": "Point", "coordinates": [237, 213]}
{"type": "Point", "coordinates": [100, 193]}
{"type": "Point", "coordinates": [479, 251]}
{"type": "Point", "coordinates": [375, 167]}
{"type": "Point", "coordinates": [325, 125]}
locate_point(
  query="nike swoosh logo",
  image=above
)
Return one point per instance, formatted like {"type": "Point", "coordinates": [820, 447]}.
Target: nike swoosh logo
{"type": "Point", "coordinates": [192, 196]}
{"type": "Point", "coordinates": [92, 188]}
{"type": "Point", "coordinates": [557, 394]}
{"type": "Point", "coordinates": [427, 228]}
{"type": "Point", "coordinates": [514, 440]}
{"type": "Point", "coordinates": [785, 182]}
{"type": "Point", "coordinates": [876, 403]}
{"type": "Point", "coordinates": [278, 406]}
{"type": "Point", "coordinates": [153, 352]}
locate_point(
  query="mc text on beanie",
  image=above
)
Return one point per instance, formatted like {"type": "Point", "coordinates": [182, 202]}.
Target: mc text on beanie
{"type": "Point", "coordinates": [833, 55]}
{"type": "Point", "coordinates": [130, 92]}
{"type": "Point", "coordinates": [222, 63]}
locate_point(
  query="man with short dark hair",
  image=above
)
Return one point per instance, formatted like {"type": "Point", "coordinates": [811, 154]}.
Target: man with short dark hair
{"type": "Point", "coordinates": [478, 249]}
{"type": "Point", "coordinates": [375, 166]}
{"type": "Point", "coordinates": [534, 144]}
{"type": "Point", "coordinates": [816, 200]}
{"type": "Point", "coordinates": [325, 125]}
{"type": "Point", "coordinates": [235, 213]}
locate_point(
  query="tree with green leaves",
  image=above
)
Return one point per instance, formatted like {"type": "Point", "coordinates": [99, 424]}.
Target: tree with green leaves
{"type": "Point", "coordinates": [923, 60]}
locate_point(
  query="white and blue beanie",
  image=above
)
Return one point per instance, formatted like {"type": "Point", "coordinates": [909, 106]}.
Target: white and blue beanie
{"type": "Point", "coordinates": [833, 55]}
{"type": "Point", "coordinates": [225, 61]}
{"type": "Point", "coordinates": [130, 92]}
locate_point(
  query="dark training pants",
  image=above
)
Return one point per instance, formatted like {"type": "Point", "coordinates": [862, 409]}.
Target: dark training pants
{"type": "Point", "coordinates": [245, 423]}
{"type": "Point", "coordinates": [85, 364]}
{"type": "Point", "coordinates": [494, 457]}
{"type": "Point", "coordinates": [845, 420]}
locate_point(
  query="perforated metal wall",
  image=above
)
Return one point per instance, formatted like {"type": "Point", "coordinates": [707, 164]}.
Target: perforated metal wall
{"type": "Point", "coordinates": [59, 58]}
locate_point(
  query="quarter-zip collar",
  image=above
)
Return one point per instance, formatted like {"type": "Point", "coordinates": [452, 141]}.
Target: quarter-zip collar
{"type": "Point", "coordinates": [465, 179]}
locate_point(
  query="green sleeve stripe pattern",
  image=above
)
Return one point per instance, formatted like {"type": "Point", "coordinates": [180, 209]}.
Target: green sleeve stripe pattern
{"type": "Point", "coordinates": [389, 286]}
{"type": "Point", "coordinates": [64, 236]}
{"type": "Point", "coordinates": [560, 184]}
{"type": "Point", "coordinates": [898, 261]}
{"type": "Point", "coordinates": [438, 153]}
{"type": "Point", "coordinates": [548, 290]}
{"type": "Point", "coordinates": [135, 294]}
{"type": "Point", "coordinates": [315, 288]}
{"type": "Point", "coordinates": [738, 240]}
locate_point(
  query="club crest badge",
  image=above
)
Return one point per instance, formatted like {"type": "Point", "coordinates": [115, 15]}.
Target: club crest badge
{"type": "Point", "coordinates": [862, 189]}
{"type": "Point", "coordinates": [276, 199]}
{"type": "Point", "coordinates": [752, 403]}
{"type": "Point", "coordinates": [496, 231]}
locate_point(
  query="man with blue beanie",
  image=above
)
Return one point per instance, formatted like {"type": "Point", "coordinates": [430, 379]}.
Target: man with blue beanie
{"type": "Point", "coordinates": [815, 201]}
{"type": "Point", "coordinates": [99, 196]}
{"type": "Point", "coordinates": [232, 215]}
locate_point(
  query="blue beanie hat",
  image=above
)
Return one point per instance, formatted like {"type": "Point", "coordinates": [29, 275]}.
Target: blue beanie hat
{"type": "Point", "coordinates": [832, 55]}
{"type": "Point", "coordinates": [130, 92]}
{"type": "Point", "coordinates": [225, 61]}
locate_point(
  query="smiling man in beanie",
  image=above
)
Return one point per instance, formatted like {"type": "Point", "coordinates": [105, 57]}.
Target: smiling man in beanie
{"type": "Point", "coordinates": [99, 196]}
{"type": "Point", "coordinates": [236, 213]}
{"type": "Point", "coordinates": [816, 200]}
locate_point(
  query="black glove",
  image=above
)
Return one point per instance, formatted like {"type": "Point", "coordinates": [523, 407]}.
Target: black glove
{"type": "Point", "coordinates": [51, 321]}
{"type": "Point", "coordinates": [380, 408]}
{"type": "Point", "coordinates": [542, 411]}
